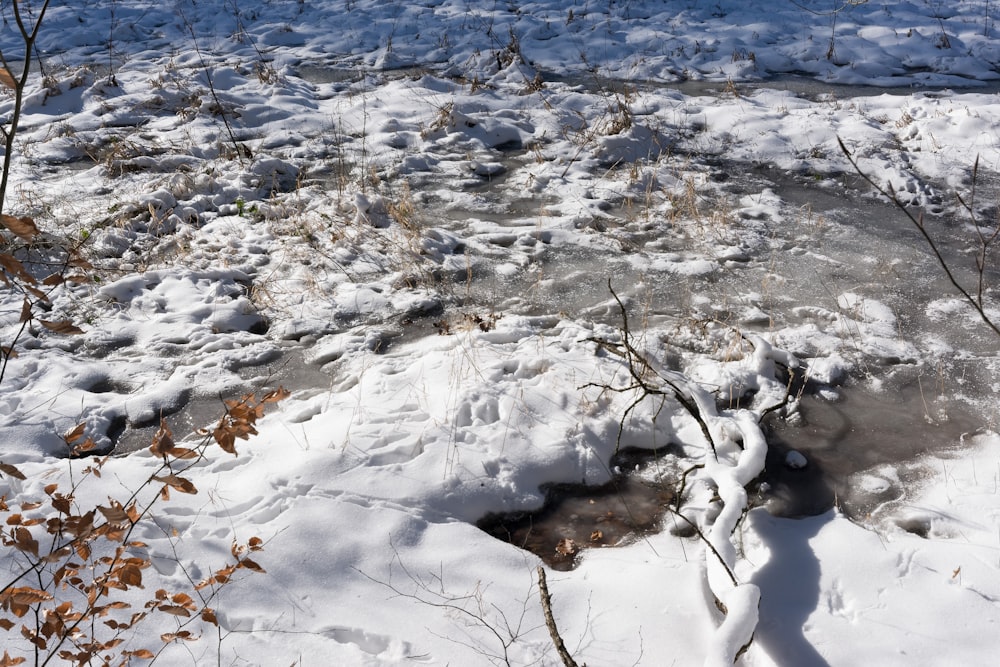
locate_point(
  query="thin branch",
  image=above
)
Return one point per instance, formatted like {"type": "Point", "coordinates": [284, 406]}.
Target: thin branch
{"type": "Point", "coordinates": [708, 543]}
{"type": "Point", "coordinates": [639, 367]}
{"type": "Point", "coordinates": [550, 621]}
{"type": "Point", "coordinates": [918, 222]}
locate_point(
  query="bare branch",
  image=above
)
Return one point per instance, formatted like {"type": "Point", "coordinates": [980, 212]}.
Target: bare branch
{"type": "Point", "coordinates": [550, 621]}
{"type": "Point", "coordinates": [918, 222]}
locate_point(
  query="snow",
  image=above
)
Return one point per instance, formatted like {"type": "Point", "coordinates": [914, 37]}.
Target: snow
{"type": "Point", "coordinates": [410, 215]}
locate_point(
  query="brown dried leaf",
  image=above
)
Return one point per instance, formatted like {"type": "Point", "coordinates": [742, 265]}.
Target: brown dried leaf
{"type": "Point", "coordinates": [7, 79]}
{"type": "Point", "coordinates": [179, 483]}
{"type": "Point", "coordinates": [8, 469]}
{"type": "Point", "coordinates": [74, 433]}
{"type": "Point", "coordinates": [114, 515]}
{"type": "Point", "coordinates": [53, 279]}
{"type": "Point", "coordinates": [183, 453]}
{"type": "Point", "coordinates": [24, 227]}
{"type": "Point", "coordinates": [61, 327]}
{"type": "Point", "coordinates": [24, 541]}
{"type": "Point", "coordinates": [566, 547]}
{"type": "Point", "coordinates": [252, 565]}
{"type": "Point", "coordinates": [163, 440]}
{"type": "Point", "coordinates": [130, 575]}
{"type": "Point", "coordinates": [225, 437]}
{"type": "Point", "coordinates": [6, 660]}
{"type": "Point", "coordinates": [26, 314]}
{"type": "Point", "coordinates": [27, 595]}
{"type": "Point", "coordinates": [174, 636]}
{"type": "Point", "coordinates": [184, 600]}
{"type": "Point", "coordinates": [174, 610]}
{"type": "Point", "coordinates": [85, 446]}
{"type": "Point", "coordinates": [278, 394]}
{"type": "Point", "coordinates": [208, 615]}
{"type": "Point", "coordinates": [37, 293]}
{"type": "Point", "coordinates": [15, 268]}
{"type": "Point", "coordinates": [62, 504]}
{"type": "Point", "coordinates": [57, 555]}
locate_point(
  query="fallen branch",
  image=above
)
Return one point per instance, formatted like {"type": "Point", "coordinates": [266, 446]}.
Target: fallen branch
{"type": "Point", "coordinates": [639, 367]}
{"type": "Point", "coordinates": [550, 621]}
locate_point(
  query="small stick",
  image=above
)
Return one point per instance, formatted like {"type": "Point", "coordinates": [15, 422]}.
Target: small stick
{"type": "Point", "coordinates": [550, 621]}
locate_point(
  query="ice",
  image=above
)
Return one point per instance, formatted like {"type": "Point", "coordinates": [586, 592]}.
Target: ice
{"type": "Point", "coordinates": [411, 215]}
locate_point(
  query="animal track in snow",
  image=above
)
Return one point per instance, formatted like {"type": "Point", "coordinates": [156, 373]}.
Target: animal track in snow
{"type": "Point", "coordinates": [477, 409]}
{"type": "Point", "coordinates": [369, 642]}
{"type": "Point", "coordinates": [397, 453]}
{"type": "Point", "coordinates": [520, 369]}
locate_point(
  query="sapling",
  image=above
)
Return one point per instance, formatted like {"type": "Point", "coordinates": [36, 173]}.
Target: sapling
{"type": "Point", "coordinates": [13, 272]}
{"type": "Point", "coordinates": [77, 567]}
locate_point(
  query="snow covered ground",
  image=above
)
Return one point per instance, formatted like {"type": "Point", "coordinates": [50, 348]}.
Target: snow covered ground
{"type": "Point", "coordinates": [408, 214]}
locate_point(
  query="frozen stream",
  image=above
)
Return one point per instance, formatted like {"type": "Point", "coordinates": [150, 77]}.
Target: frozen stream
{"type": "Point", "coordinates": [754, 248]}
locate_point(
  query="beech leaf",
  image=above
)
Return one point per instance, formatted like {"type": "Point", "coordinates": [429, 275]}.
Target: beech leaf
{"type": "Point", "coordinates": [24, 227]}
{"type": "Point", "coordinates": [183, 453]}
{"type": "Point", "coordinates": [142, 654]}
{"type": "Point", "coordinates": [179, 483]}
{"type": "Point", "coordinates": [116, 516]}
{"type": "Point", "coordinates": [28, 595]}
{"type": "Point", "coordinates": [174, 610]}
{"type": "Point", "coordinates": [74, 433]}
{"type": "Point", "coordinates": [7, 661]}
{"type": "Point", "coordinates": [8, 469]}
{"type": "Point", "coordinates": [278, 394]}
{"type": "Point", "coordinates": [163, 440]}
{"type": "Point", "coordinates": [26, 314]}
{"type": "Point", "coordinates": [7, 79]}
{"type": "Point", "coordinates": [130, 575]}
{"type": "Point", "coordinates": [16, 268]}
{"type": "Point", "coordinates": [251, 565]}
{"type": "Point", "coordinates": [61, 327]}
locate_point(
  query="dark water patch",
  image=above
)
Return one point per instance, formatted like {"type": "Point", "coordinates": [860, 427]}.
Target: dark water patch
{"type": "Point", "coordinates": [576, 517]}
{"type": "Point", "coordinates": [802, 84]}
{"type": "Point", "coordinates": [108, 385]}
{"type": "Point", "coordinates": [184, 421]}
{"type": "Point", "coordinates": [858, 431]}
{"type": "Point", "coordinates": [195, 410]}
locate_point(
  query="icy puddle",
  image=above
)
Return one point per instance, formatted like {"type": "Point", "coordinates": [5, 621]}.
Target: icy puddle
{"type": "Point", "coordinates": [858, 452]}
{"type": "Point", "coordinates": [859, 449]}
{"type": "Point", "coordinates": [576, 517]}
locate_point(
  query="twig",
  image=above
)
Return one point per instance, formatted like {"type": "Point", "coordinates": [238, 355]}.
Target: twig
{"type": "Point", "coordinates": [639, 366]}
{"type": "Point", "coordinates": [550, 621]}
{"type": "Point", "coordinates": [708, 543]}
{"type": "Point", "coordinates": [918, 222]}
{"type": "Point", "coordinates": [241, 150]}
